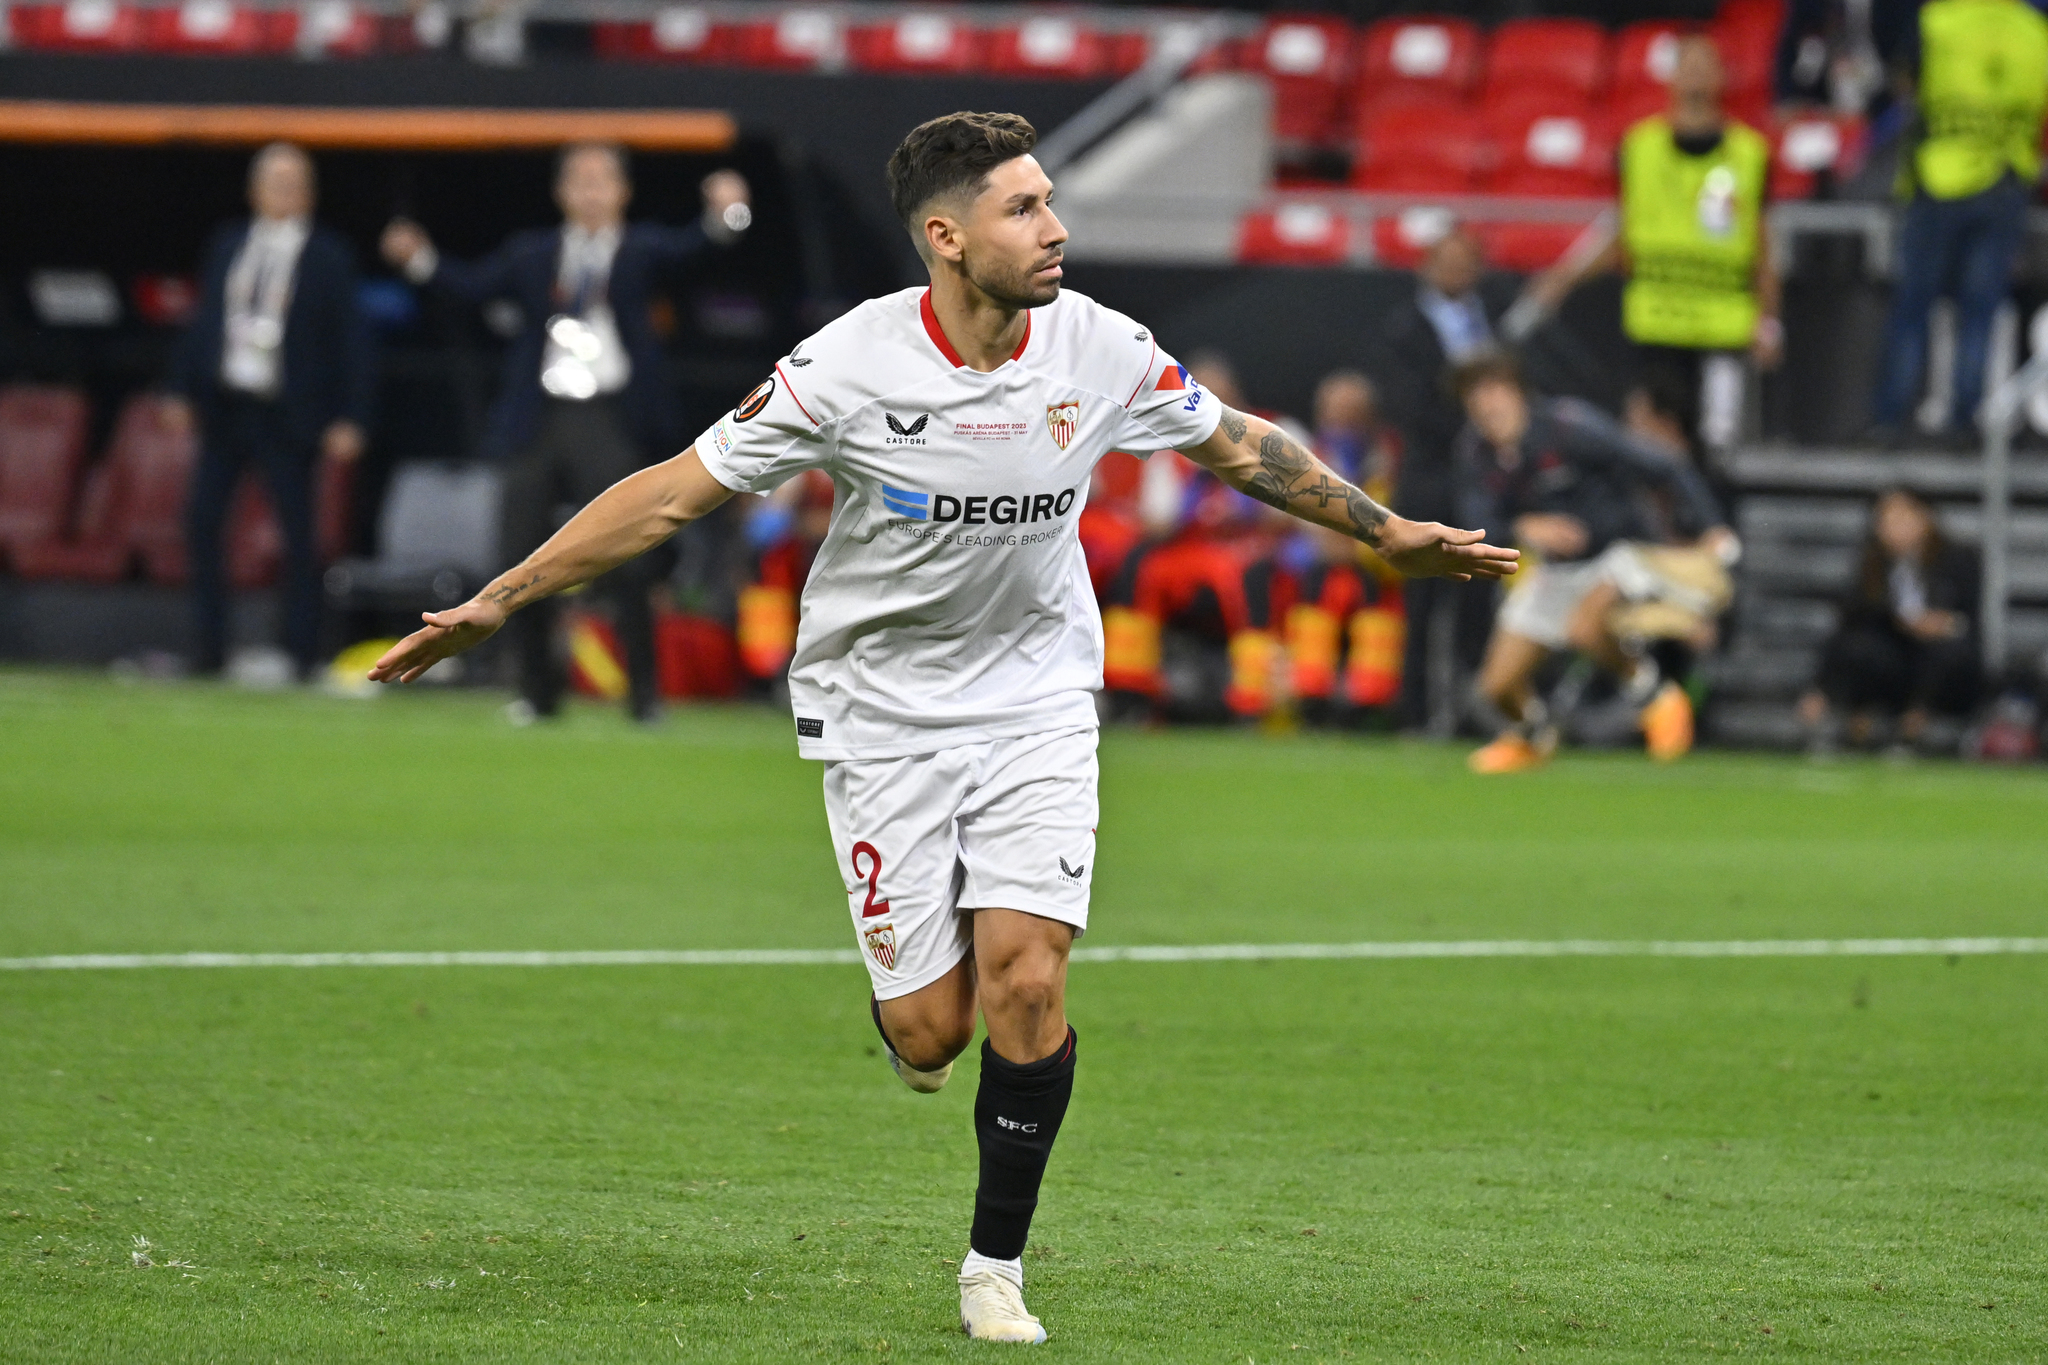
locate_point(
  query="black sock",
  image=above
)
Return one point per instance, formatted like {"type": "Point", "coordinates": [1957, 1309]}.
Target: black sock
{"type": "Point", "coordinates": [1017, 1115]}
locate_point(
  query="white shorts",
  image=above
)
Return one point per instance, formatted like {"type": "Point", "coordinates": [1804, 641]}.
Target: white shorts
{"type": "Point", "coordinates": [923, 842]}
{"type": "Point", "coordinates": [1541, 607]}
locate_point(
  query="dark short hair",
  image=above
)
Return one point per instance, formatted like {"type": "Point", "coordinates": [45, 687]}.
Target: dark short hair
{"type": "Point", "coordinates": [616, 151]}
{"type": "Point", "coordinates": [949, 154]}
{"type": "Point", "coordinates": [1489, 366]}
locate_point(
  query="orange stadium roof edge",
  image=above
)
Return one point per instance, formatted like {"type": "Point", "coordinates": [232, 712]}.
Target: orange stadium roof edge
{"type": "Point", "coordinates": [663, 130]}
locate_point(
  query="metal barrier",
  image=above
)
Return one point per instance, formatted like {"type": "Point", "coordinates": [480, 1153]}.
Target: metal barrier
{"type": "Point", "coordinates": [2001, 416]}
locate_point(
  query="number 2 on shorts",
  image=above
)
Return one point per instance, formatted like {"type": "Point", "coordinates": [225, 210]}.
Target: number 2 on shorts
{"type": "Point", "coordinates": [872, 907]}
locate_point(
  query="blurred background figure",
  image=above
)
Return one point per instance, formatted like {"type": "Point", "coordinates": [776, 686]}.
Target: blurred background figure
{"type": "Point", "coordinates": [583, 400]}
{"type": "Point", "coordinates": [275, 372]}
{"type": "Point", "coordinates": [1702, 291]}
{"type": "Point", "coordinates": [1443, 324]}
{"type": "Point", "coordinates": [1568, 483]}
{"type": "Point", "coordinates": [1340, 610]}
{"type": "Point", "coordinates": [1980, 72]}
{"type": "Point", "coordinates": [1905, 649]}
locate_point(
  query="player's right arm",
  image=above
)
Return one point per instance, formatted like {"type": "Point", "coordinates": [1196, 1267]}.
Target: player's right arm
{"type": "Point", "coordinates": [631, 517]}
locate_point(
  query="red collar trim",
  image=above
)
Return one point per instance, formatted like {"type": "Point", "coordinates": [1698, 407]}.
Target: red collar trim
{"type": "Point", "coordinates": [938, 333]}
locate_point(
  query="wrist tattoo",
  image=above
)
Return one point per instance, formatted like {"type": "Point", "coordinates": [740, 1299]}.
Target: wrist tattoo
{"type": "Point", "coordinates": [503, 594]}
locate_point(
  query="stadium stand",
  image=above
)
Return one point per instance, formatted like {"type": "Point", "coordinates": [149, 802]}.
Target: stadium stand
{"type": "Point", "coordinates": [42, 444]}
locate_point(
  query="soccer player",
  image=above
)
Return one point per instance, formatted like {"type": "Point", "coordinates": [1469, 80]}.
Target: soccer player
{"type": "Point", "coordinates": [949, 642]}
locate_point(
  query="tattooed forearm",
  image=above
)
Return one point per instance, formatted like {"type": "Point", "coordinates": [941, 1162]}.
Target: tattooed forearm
{"type": "Point", "coordinates": [506, 594]}
{"type": "Point", "coordinates": [1294, 481]}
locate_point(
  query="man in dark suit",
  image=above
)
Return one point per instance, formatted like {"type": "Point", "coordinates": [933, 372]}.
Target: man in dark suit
{"type": "Point", "coordinates": [1443, 323]}
{"type": "Point", "coordinates": [582, 402]}
{"type": "Point", "coordinates": [275, 372]}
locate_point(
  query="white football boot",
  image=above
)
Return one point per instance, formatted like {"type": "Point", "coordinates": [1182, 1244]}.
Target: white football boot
{"type": "Point", "coordinates": [992, 1309]}
{"type": "Point", "coordinates": [923, 1082]}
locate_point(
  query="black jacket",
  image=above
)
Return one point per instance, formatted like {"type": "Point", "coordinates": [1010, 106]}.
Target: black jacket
{"type": "Point", "coordinates": [1577, 461]}
{"type": "Point", "coordinates": [524, 270]}
{"type": "Point", "coordinates": [329, 364]}
{"type": "Point", "coordinates": [1412, 374]}
{"type": "Point", "coordinates": [1952, 581]}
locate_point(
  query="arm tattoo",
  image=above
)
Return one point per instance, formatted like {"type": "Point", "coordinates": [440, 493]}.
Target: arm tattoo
{"type": "Point", "coordinates": [1289, 477]}
{"type": "Point", "coordinates": [503, 594]}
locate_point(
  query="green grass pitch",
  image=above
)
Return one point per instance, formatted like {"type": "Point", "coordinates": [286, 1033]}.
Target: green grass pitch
{"type": "Point", "coordinates": [1600, 1159]}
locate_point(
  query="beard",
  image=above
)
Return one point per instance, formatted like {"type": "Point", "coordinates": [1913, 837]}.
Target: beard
{"type": "Point", "coordinates": [1015, 286]}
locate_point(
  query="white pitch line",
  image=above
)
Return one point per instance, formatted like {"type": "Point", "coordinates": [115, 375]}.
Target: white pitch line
{"type": "Point", "coordinates": [1199, 952]}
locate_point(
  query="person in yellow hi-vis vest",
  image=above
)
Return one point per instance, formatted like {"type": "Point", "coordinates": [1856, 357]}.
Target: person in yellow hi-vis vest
{"type": "Point", "coordinates": [1971, 168]}
{"type": "Point", "coordinates": [1702, 292]}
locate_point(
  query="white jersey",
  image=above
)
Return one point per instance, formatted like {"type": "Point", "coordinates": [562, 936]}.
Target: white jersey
{"type": "Point", "coordinates": [950, 602]}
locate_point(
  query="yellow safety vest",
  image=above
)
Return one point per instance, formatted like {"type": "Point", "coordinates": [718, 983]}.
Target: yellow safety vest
{"type": "Point", "coordinates": [1983, 82]}
{"type": "Point", "coordinates": [1692, 226]}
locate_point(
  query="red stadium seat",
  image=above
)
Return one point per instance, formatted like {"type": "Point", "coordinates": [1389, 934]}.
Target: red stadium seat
{"type": "Point", "coordinates": [42, 444]}
{"type": "Point", "coordinates": [1526, 246]}
{"type": "Point", "coordinates": [1632, 104]}
{"type": "Point", "coordinates": [1550, 54]}
{"type": "Point", "coordinates": [1308, 60]}
{"type": "Point", "coordinates": [1645, 54]}
{"type": "Point", "coordinates": [77, 26]}
{"type": "Point", "coordinates": [97, 550]}
{"type": "Point", "coordinates": [1124, 53]}
{"type": "Point", "coordinates": [1419, 148]}
{"type": "Point", "coordinates": [255, 542]}
{"type": "Point", "coordinates": [681, 33]}
{"type": "Point", "coordinates": [914, 41]}
{"type": "Point", "coordinates": [1554, 145]}
{"type": "Point", "coordinates": [795, 40]}
{"type": "Point", "coordinates": [216, 27]}
{"type": "Point", "coordinates": [158, 476]}
{"type": "Point", "coordinates": [1746, 32]}
{"type": "Point", "coordinates": [1426, 52]}
{"type": "Point", "coordinates": [1402, 238]}
{"type": "Point", "coordinates": [1046, 45]}
{"type": "Point", "coordinates": [1808, 145]}
{"type": "Point", "coordinates": [1297, 233]}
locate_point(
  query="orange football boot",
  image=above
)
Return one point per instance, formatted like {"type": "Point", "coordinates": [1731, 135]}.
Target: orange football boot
{"type": "Point", "coordinates": [1667, 723]}
{"type": "Point", "coordinates": [1514, 753]}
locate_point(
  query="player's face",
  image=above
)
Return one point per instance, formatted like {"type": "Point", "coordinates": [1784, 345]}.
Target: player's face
{"type": "Point", "coordinates": [1012, 242]}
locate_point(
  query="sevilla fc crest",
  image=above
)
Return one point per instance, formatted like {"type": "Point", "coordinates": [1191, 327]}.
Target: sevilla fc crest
{"type": "Point", "coordinates": [881, 941]}
{"type": "Point", "coordinates": [1064, 421]}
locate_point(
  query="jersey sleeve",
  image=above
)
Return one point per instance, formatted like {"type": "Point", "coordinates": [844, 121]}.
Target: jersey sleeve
{"type": "Point", "coordinates": [1167, 410]}
{"type": "Point", "coordinates": [770, 438]}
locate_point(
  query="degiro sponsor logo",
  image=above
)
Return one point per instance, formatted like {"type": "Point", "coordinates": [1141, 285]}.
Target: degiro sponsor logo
{"type": "Point", "coordinates": [1002, 509]}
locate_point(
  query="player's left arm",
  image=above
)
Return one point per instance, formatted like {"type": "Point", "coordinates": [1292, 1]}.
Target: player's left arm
{"type": "Point", "coordinates": [1256, 457]}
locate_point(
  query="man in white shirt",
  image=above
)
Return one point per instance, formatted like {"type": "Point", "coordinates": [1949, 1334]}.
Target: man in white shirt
{"type": "Point", "coordinates": [584, 400]}
{"type": "Point", "coordinates": [949, 642]}
{"type": "Point", "coordinates": [275, 373]}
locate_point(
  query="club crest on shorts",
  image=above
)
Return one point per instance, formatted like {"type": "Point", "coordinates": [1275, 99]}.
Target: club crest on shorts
{"type": "Point", "coordinates": [1063, 420]}
{"type": "Point", "coordinates": [881, 941]}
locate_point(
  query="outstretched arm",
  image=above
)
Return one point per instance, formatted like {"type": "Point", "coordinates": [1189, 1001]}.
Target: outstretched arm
{"type": "Point", "coordinates": [631, 517]}
{"type": "Point", "coordinates": [1256, 457]}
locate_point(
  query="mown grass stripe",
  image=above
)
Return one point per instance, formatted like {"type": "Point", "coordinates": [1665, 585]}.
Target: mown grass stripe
{"type": "Point", "coordinates": [1194, 952]}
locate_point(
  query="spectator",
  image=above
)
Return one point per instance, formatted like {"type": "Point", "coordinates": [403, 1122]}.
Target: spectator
{"type": "Point", "coordinates": [1702, 290]}
{"type": "Point", "coordinates": [1981, 72]}
{"type": "Point", "coordinates": [1570, 484]}
{"type": "Point", "coordinates": [275, 373]}
{"type": "Point", "coordinates": [1836, 53]}
{"type": "Point", "coordinates": [1904, 650]}
{"type": "Point", "coordinates": [1443, 323]}
{"type": "Point", "coordinates": [583, 401]}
